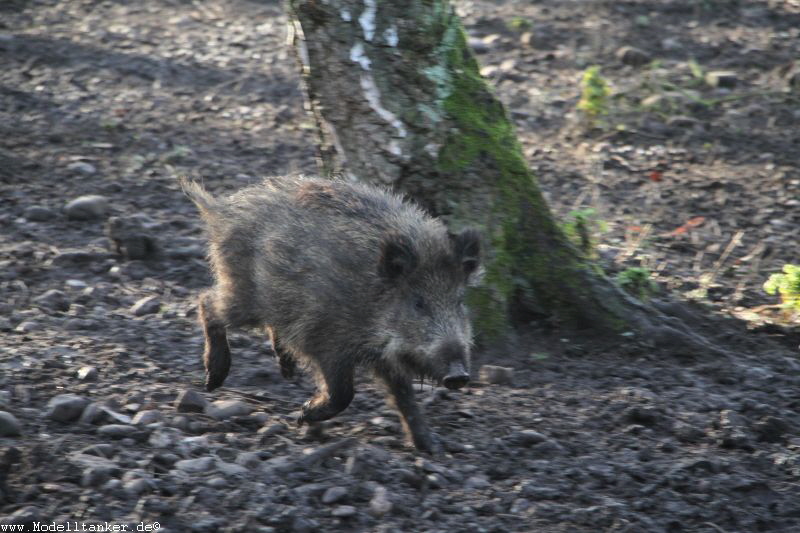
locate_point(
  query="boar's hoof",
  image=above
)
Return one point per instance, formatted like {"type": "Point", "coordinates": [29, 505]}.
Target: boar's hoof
{"type": "Point", "coordinates": [213, 381]}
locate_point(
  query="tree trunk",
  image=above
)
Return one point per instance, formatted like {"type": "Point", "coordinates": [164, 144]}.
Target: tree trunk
{"type": "Point", "coordinates": [399, 101]}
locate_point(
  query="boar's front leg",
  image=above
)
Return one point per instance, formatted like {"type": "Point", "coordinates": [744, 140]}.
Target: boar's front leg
{"type": "Point", "coordinates": [285, 359]}
{"type": "Point", "coordinates": [217, 354]}
{"type": "Point", "coordinates": [335, 392]}
{"type": "Point", "coordinates": [401, 392]}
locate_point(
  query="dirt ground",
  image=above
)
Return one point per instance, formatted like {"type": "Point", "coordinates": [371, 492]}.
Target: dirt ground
{"type": "Point", "coordinates": [691, 174]}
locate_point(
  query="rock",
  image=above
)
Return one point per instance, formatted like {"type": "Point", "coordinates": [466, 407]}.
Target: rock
{"type": "Point", "coordinates": [27, 326]}
{"type": "Point", "coordinates": [722, 78]}
{"type": "Point", "coordinates": [138, 486]}
{"type": "Point", "coordinates": [146, 306]}
{"type": "Point", "coordinates": [344, 511]}
{"type": "Point", "coordinates": [82, 167]}
{"type": "Point", "coordinates": [527, 39]}
{"type": "Point", "coordinates": [248, 459]}
{"type": "Point", "coordinates": [142, 418]}
{"type": "Point", "coordinates": [37, 213]}
{"type": "Point", "coordinates": [9, 425]}
{"type": "Point", "coordinates": [217, 482]}
{"type": "Point", "coordinates": [196, 466]}
{"type": "Point", "coordinates": [66, 407]}
{"type": "Point", "coordinates": [117, 431]}
{"type": "Point", "coordinates": [92, 414]}
{"type": "Point", "coordinates": [54, 300]}
{"type": "Point", "coordinates": [224, 409]}
{"type": "Point", "coordinates": [87, 373]}
{"type": "Point", "coordinates": [733, 430]}
{"type": "Point", "coordinates": [631, 55]}
{"type": "Point", "coordinates": [688, 433]}
{"type": "Point", "coordinates": [95, 476]}
{"type": "Point", "coordinates": [232, 469]}
{"type": "Point", "coordinates": [477, 482]}
{"type": "Point", "coordinates": [496, 375]}
{"type": "Point", "coordinates": [130, 238]}
{"type": "Point", "coordinates": [380, 504]}
{"type": "Point", "coordinates": [526, 438]}
{"type": "Point", "coordinates": [548, 448]}
{"type": "Point", "coordinates": [88, 207]}
{"type": "Point", "coordinates": [334, 495]}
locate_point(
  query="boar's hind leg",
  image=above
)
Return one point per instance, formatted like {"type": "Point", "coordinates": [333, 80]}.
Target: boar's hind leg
{"type": "Point", "coordinates": [217, 355]}
{"type": "Point", "coordinates": [401, 392]}
{"type": "Point", "coordinates": [334, 395]}
{"type": "Point", "coordinates": [285, 359]}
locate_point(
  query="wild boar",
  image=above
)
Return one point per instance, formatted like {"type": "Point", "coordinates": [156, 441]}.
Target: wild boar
{"type": "Point", "coordinates": [341, 276]}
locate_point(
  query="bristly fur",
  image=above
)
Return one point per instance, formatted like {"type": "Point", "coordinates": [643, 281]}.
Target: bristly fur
{"type": "Point", "coordinates": [343, 275]}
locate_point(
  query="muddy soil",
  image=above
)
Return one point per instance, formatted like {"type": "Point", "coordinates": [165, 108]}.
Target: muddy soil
{"type": "Point", "coordinates": [691, 174]}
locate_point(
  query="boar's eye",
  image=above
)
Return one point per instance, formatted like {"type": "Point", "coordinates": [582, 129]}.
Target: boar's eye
{"type": "Point", "coordinates": [419, 303]}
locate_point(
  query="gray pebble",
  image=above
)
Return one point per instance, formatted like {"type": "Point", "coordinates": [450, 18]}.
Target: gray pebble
{"type": "Point", "coordinates": [224, 409]}
{"type": "Point", "coordinates": [87, 373]}
{"type": "Point", "coordinates": [631, 55]}
{"type": "Point", "coordinates": [37, 213]}
{"type": "Point", "coordinates": [190, 401]}
{"type": "Point", "coordinates": [66, 407]}
{"type": "Point", "coordinates": [334, 495]}
{"type": "Point", "coordinates": [88, 207]}
{"type": "Point", "coordinates": [117, 431]}
{"type": "Point", "coordinates": [9, 425]}
{"type": "Point", "coordinates": [146, 306]}
{"type": "Point", "coordinates": [195, 466]}
{"type": "Point", "coordinates": [82, 167]}
{"type": "Point", "coordinates": [344, 511]}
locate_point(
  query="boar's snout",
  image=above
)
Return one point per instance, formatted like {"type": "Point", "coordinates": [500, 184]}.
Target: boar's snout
{"type": "Point", "coordinates": [456, 377]}
{"type": "Point", "coordinates": [456, 358]}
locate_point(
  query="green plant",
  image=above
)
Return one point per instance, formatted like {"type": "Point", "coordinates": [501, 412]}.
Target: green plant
{"type": "Point", "coordinates": [636, 281]}
{"type": "Point", "coordinates": [595, 95]}
{"type": "Point", "coordinates": [580, 227]}
{"type": "Point", "coordinates": [519, 24]}
{"type": "Point", "coordinates": [788, 285]}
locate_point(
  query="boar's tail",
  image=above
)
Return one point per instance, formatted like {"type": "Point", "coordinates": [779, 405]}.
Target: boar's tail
{"type": "Point", "coordinates": [202, 199]}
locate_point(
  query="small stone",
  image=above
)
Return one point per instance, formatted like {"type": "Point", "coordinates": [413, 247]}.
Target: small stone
{"type": "Point", "coordinates": [9, 425]}
{"type": "Point", "coordinates": [722, 78]}
{"type": "Point", "coordinates": [142, 418]}
{"type": "Point", "coordinates": [82, 167]}
{"type": "Point", "coordinates": [195, 466]}
{"type": "Point", "coordinates": [232, 469]}
{"type": "Point", "coordinates": [136, 487]}
{"type": "Point", "coordinates": [53, 299]}
{"type": "Point", "coordinates": [496, 375]}
{"type": "Point", "coordinates": [526, 438]}
{"type": "Point", "coordinates": [248, 459]}
{"type": "Point", "coordinates": [224, 409]}
{"type": "Point", "coordinates": [88, 207]}
{"type": "Point", "coordinates": [631, 55]}
{"type": "Point", "coordinates": [344, 511]}
{"type": "Point", "coordinates": [217, 482]}
{"type": "Point", "coordinates": [477, 482]}
{"type": "Point", "coordinates": [380, 504]}
{"type": "Point", "coordinates": [37, 213]}
{"type": "Point", "coordinates": [27, 326]}
{"type": "Point", "coordinates": [94, 476]}
{"type": "Point", "coordinates": [548, 448]}
{"type": "Point", "coordinates": [92, 414]}
{"type": "Point", "coordinates": [334, 495]}
{"type": "Point", "coordinates": [66, 407]}
{"type": "Point", "coordinates": [527, 39]}
{"type": "Point", "coordinates": [87, 373]}
{"type": "Point", "coordinates": [117, 431]}
{"type": "Point", "coordinates": [146, 306]}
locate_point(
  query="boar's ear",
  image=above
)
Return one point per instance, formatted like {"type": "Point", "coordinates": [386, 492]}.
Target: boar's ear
{"type": "Point", "coordinates": [467, 245]}
{"type": "Point", "coordinates": [398, 257]}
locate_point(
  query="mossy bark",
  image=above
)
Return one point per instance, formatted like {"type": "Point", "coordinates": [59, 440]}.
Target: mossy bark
{"type": "Point", "coordinates": [399, 101]}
